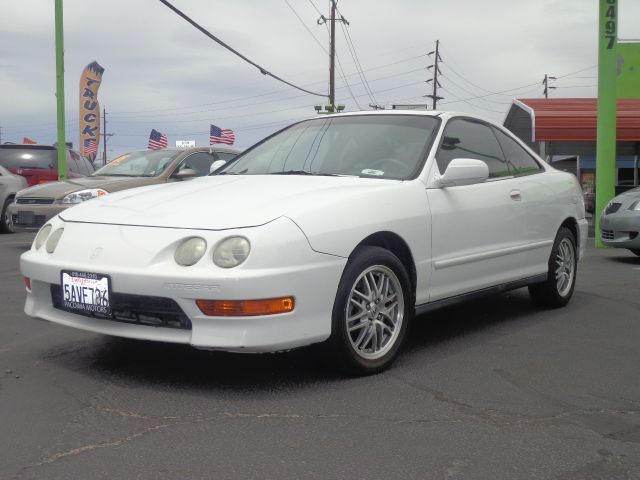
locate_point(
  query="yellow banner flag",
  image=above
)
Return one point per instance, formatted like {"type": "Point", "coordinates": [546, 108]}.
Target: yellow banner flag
{"type": "Point", "coordinates": [90, 81]}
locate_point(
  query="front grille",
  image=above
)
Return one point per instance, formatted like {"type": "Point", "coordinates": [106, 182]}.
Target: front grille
{"type": "Point", "coordinates": [34, 201]}
{"type": "Point", "coordinates": [607, 234]}
{"type": "Point", "coordinates": [136, 309]}
{"type": "Point", "coordinates": [612, 208]}
{"type": "Point", "coordinates": [35, 221]}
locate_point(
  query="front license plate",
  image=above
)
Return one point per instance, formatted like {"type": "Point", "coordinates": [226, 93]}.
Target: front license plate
{"type": "Point", "coordinates": [26, 218]}
{"type": "Point", "coordinates": [86, 293]}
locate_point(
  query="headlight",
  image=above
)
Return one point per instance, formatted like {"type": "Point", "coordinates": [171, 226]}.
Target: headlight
{"type": "Point", "coordinates": [190, 251]}
{"type": "Point", "coordinates": [42, 236]}
{"type": "Point", "coordinates": [53, 240]}
{"type": "Point", "coordinates": [83, 195]}
{"type": "Point", "coordinates": [231, 252]}
{"type": "Point", "coordinates": [635, 205]}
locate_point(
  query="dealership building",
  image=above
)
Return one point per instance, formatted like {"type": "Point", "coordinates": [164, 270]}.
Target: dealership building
{"type": "Point", "coordinates": [563, 131]}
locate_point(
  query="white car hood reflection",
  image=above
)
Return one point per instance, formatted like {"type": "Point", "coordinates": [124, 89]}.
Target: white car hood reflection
{"type": "Point", "coordinates": [221, 202]}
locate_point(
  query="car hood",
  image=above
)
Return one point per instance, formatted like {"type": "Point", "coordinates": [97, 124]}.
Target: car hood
{"type": "Point", "coordinates": [222, 202]}
{"type": "Point", "coordinates": [628, 197]}
{"type": "Point", "coordinates": [111, 184]}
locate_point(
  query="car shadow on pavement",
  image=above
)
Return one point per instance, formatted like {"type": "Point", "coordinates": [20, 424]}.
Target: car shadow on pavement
{"type": "Point", "coordinates": [629, 260]}
{"type": "Point", "coordinates": [142, 363]}
{"type": "Point", "coordinates": [464, 321]}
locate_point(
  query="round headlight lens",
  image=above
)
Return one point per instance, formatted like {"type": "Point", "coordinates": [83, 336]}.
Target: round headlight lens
{"type": "Point", "coordinates": [42, 236]}
{"type": "Point", "coordinates": [190, 251]}
{"type": "Point", "coordinates": [231, 252]}
{"type": "Point", "coordinates": [52, 241]}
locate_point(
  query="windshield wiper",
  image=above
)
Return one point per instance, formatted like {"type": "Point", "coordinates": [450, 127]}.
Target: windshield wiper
{"type": "Point", "coordinates": [304, 172]}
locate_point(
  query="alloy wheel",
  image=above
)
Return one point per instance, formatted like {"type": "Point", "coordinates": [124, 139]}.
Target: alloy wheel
{"type": "Point", "coordinates": [374, 312]}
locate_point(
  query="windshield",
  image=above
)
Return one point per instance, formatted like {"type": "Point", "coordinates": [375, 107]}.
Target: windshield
{"type": "Point", "coordinates": [138, 164]}
{"type": "Point", "coordinates": [378, 146]}
{"type": "Point", "coordinates": [29, 158]}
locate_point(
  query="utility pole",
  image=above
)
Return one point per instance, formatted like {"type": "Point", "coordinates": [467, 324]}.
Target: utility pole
{"type": "Point", "coordinates": [332, 62]}
{"type": "Point", "coordinates": [0, 134]}
{"type": "Point", "coordinates": [332, 49]}
{"type": "Point", "coordinates": [436, 72]}
{"type": "Point", "coordinates": [545, 82]}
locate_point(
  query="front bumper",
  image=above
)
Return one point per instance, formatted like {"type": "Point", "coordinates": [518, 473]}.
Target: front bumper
{"type": "Point", "coordinates": [621, 229]}
{"type": "Point", "coordinates": [140, 261]}
{"type": "Point", "coordinates": [30, 218]}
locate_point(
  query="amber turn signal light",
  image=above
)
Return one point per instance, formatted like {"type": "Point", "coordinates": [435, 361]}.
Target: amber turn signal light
{"type": "Point", "coordinates": [246, 308]}
{"type": "Point", "coordinates": [27, 283]}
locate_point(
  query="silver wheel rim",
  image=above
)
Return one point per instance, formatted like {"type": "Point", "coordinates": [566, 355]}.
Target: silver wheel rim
{"type": "Point", "coordinates": [565, 266]}
{"type": "Point", "coordinates": [374, 312]}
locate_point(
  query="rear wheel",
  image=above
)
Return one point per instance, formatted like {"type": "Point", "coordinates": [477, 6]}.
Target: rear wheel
{"type": "Point", "coordinates": [557, 290]}
{"type": "Point", "coordinates": [635, 250]}
{"type": "Point", "coordinates": [6, 225]}
{"type": "Point", "coordinates": [371, 312]}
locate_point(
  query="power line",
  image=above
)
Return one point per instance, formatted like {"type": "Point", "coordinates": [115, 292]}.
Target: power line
{"type": "Point", "coordinates": [220, 42]}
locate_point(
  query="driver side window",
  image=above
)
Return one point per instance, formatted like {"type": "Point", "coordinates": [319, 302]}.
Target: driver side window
{"type": "Point", "coordinates": [467, 138]}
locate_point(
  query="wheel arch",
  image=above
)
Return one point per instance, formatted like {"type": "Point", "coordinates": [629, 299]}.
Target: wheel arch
{"type": "Point", "coordinates": [572, 224]}
{"type": "Point", "coordinates": [398, 246]}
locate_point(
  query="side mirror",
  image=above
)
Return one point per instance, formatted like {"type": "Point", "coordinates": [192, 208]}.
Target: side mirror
{"type": "Point", "coordinates": [216, 165]}
{"type": "Point", "coordinates": [185, 174]}
{"type": "Point", "coordinates": [463, 171]}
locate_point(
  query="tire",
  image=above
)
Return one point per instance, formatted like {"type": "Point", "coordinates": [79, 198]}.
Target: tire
{"type": "Point", "coordinates": [635, 251]}
{"type": "Point", "coordinates": [371, 313]}
{"type": "Point", "coordinates": [6, 226]}
{"type": "Point", "coordinates": [557, 290]}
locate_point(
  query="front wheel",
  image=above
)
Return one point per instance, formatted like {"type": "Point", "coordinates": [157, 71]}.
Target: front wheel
{"type": "Point", "coordinates": [371, 312]}
{"type": "Point", "coordinates": [557, 290]}
{"type": "Point", "coordinates": [6, 225]}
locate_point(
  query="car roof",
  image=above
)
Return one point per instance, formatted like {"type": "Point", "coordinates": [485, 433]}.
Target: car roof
{"type": "Point", "coordinates": [16, 146]}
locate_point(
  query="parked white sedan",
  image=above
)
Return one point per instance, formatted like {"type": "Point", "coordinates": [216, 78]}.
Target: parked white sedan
{"type": "Point", "coordinates": [337, 229]}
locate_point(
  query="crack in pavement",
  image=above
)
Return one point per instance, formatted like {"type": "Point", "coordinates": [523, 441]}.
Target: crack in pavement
{"type": "Point", "coordinates": [75, 451]}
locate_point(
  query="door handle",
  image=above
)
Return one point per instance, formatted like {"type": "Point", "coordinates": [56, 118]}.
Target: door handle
{"type": "Point", "coordinates": [515, 195]}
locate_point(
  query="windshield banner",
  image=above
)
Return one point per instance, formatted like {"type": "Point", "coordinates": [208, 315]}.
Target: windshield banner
{"type": "Point", "coordinates": [90, 81]}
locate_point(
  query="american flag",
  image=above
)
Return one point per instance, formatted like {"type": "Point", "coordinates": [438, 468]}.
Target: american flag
{"type": "Point", "coordinates": [219, 135]}
{"type": "Point", "coordinates": [157, 140]}
{"type": "Point", "coordinates": [90, 147]}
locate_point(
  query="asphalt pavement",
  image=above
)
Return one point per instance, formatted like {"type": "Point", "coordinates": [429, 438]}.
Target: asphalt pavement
{"type": "Point", "coordinates": [494, 389]}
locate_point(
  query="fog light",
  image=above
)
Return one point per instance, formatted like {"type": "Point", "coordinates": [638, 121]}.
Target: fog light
{"type": "Point", "coordinates": [246, 308]}
{"type": "Point", "coordinates": [42, 236]}
{"type": "Point", "coordinates": [52, 241]}
{"type": "Point", "coordinates": [190, 251]}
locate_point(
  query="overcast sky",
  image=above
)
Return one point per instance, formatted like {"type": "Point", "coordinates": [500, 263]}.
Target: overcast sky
{"type": "Point", "coordinates": [162, 73]}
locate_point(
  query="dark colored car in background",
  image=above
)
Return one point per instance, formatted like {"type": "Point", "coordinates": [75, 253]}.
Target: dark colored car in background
{"type": "Point", "coordinates": [39, 163]}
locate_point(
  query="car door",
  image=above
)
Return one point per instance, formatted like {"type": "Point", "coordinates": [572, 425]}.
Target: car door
{"type": "Point", "coordinates": [539, 220]}
{"type": "Point", "coordinates": [474, 228]}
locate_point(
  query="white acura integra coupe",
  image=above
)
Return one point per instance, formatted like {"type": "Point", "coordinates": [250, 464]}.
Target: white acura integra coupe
{"type": "Point", "coordinates": [340, 229]}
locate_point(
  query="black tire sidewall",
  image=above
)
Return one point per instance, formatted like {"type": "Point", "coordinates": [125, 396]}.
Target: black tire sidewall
{"type": "Point", "coordinates": [360, 260]}
{"type": "Point", "coordinates": [4, 226]}
{"type": "Point", "coordinates": [553, 297]}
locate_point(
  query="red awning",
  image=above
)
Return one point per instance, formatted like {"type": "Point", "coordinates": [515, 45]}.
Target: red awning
{"type": "Point", "coordinates": [575, 119]}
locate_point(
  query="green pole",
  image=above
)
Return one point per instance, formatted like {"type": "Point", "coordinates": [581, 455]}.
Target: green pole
{"type": "Point", "coordinates": [62, 156]}
{"type": "Point", "coordinates": [606, 137]}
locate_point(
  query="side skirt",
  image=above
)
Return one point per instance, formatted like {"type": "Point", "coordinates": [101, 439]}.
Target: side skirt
{"type": "Point", "coordinates": [505, 287]}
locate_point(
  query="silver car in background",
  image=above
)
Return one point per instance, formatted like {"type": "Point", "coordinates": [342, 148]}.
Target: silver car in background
{"type": "Point", "coordinates": [620, 221]}
{"type": "Point", "coordinates": [10, 184]}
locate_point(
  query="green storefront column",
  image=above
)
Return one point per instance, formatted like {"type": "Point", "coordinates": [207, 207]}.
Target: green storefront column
{"type": "Point", "coordinates": [62, 154]}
